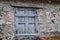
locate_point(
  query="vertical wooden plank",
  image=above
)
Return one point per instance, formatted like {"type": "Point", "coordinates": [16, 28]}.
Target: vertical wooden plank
{"type": "Point", "coordinates": [26, 21]}
{"type": "Point", "coordinates": [31, 27]}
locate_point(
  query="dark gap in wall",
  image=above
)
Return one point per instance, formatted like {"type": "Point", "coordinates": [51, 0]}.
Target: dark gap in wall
{"type": "Point", "coordinates": [0, 38]}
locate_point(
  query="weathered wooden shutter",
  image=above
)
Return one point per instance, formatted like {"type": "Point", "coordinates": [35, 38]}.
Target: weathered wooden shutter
{"type": "Point", "coordinates": [26, 21]}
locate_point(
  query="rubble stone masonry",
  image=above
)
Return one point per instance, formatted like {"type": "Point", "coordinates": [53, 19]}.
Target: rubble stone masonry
{"type": "Point", "coordinates": [49, 21]}
{"type": "Point", "coordinates": [6, 21]}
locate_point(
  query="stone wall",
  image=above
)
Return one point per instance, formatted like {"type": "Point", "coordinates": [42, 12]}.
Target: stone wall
{"type": "Point", "coordinates": [6, 22]}
{"type": "Point", "coordinates": [48, 15]}
{"type": "Point", "coordinates": [49, 20]}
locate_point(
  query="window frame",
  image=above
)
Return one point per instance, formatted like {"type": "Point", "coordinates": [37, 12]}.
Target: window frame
{"type": "Point", "coordinates": [36, 25]}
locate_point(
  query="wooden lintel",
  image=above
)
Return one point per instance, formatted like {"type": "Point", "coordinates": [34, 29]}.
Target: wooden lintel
{"type": "Point", "coordinates": [26, 7]}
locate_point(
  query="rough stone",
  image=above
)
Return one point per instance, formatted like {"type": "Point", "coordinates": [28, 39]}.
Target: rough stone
{"type": "Point", "coordinates": [8, 32]}
{"type": "Point", "coordinates": [49, 17]}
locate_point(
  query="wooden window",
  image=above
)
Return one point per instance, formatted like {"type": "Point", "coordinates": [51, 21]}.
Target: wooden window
{"type": "Point", "coordinates": [26, 21]}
